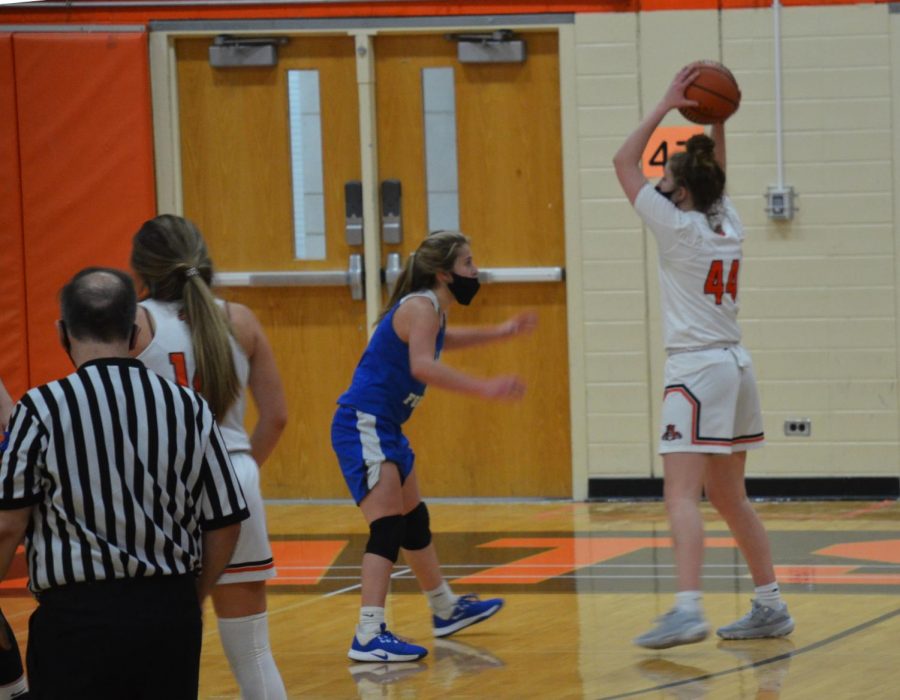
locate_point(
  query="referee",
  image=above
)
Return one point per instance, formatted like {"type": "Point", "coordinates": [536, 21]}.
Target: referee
{"type": "Point", "coordinates": [121, 484]}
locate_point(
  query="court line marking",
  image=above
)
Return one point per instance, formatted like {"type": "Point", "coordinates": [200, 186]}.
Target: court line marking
{"type": "Point", "coordinates": [763, 662]}
{"type": "Point", "coordinates": [581, 577]}
{"type": "Point", "coordinates": [445, 567]}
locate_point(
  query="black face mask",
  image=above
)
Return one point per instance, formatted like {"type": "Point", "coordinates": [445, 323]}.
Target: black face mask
{"type": "Point", "coordinates": [463, 289]}
{"type": "Point", "coordinates": [667, 195]}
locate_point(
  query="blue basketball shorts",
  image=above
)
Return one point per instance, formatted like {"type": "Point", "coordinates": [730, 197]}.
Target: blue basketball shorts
{"type": "Point", "coordinates": [362, 443]}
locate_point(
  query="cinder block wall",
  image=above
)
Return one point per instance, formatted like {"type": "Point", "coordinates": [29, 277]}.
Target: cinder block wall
{"type": "Point", "coordinates": [818, 294]}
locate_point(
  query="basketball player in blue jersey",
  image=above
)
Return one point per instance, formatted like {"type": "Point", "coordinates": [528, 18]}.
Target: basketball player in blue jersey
{"type": "Point", "coordinates": [711, 411]}
{"type": "Point", "coordinates": [401, 359]}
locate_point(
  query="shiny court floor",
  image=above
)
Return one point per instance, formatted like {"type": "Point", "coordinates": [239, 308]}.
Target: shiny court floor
{"type": "Point", "coordinates": [580, 581]}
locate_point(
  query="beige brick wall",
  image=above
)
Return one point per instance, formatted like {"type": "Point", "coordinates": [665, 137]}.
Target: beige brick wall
{"type": "Point", "coordinates": [819, 293]}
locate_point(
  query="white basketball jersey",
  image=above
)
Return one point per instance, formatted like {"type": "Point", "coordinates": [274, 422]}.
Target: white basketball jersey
{"type": "Point", "coordinates": [171, 355]}
{"type": "Point", "coordinates": [698, 271]}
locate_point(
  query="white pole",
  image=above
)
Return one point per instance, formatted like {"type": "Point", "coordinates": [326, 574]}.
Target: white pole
{"type": "Point", "coordinates": [779, 129]}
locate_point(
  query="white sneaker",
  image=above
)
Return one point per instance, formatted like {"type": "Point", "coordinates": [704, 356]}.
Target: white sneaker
{"type": "Point", "coordinates": [674, 628]}
{"type": "Point", "coordinates": [760, 623]}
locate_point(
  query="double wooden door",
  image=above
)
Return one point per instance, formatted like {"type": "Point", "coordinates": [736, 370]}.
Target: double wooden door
{"type": "Point", "coordinates": [239, 186]}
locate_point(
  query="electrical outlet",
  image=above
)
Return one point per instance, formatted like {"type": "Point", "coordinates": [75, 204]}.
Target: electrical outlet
{"type": "Point", "coordinates": [798, 427]}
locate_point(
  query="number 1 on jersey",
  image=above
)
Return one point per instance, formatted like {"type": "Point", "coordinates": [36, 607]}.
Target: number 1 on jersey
{"type": "Point", "coordinates": [179, 366]}
{"type": "Point", "coordinates": [716, 283]}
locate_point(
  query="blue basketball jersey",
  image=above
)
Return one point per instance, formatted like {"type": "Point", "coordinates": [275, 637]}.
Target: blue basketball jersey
{"type": "Point", "coordinates": [383, 384]}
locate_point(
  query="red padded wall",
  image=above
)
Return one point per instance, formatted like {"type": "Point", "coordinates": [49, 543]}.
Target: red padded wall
{"type": "Point", "coordinates": [13, 346]}
{"type": "Point", "coordinates": [85, 144]}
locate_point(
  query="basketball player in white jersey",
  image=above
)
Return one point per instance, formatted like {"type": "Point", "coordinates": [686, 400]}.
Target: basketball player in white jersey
{"type": "Point", "coordinates": [711, 412]}
{"type": "Point", "coordinates": [219, 349]}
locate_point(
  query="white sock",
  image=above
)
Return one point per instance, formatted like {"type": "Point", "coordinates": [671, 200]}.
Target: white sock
{"type": "Point", "coordinates": [14, 690]}
{"type": "Point", "coordinates": [442, 600]}
{"type": "Point", "coordinates": [246, 644]}
{"type": "Point", "coordinates": [689, 601]}
{"type": "Point", "coordinates": [371, 618]}
{"type": "Point", "coordinates": [770, 596]}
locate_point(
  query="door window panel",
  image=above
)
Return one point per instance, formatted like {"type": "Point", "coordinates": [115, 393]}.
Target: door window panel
{"type": "Point", "coordinates": [305, 121]}
{"type": "Point", "coordinates": [439, 106]}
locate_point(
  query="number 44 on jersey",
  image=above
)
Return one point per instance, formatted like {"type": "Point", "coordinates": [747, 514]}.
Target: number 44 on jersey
{"type": "Point", "coordinates": [717, 284]}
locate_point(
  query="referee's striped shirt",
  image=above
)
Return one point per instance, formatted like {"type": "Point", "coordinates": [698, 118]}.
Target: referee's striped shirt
{"type": "Point", "coordinates": [124, 470]}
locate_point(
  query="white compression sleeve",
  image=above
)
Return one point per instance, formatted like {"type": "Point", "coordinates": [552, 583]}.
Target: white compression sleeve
{"type": "Point", "coordinates": [246, 644]}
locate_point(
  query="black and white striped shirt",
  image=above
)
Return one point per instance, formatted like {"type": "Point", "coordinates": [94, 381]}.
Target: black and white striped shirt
{"type": "Point", "coordinates": [124, 470]}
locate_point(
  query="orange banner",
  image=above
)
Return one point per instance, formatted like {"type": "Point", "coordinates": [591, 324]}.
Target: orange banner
{"type": "Point", "coordinates": [665, 141]}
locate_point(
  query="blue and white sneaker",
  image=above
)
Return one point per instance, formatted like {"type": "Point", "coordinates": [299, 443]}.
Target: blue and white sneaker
{"type": "Point", "coordinates": [385, 647]}
{"type": "Point", "coordinates": [468, 610]}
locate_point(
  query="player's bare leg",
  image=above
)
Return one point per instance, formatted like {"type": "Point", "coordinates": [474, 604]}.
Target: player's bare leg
{"type": "Point", "coordinates": [372, 641]}
{"type": "Point", "coordinates": [423, 562]}
{"type": "Point", "coordinates": [683, 487]}
{"type": "Point", "coordinates": [383, 500]}
{"type": "Point", "coordinates": [450, 612]}
{"type": "Point", "coordinates": [727, 493]}
{"type": "Point", "coordinates": [726, 490]}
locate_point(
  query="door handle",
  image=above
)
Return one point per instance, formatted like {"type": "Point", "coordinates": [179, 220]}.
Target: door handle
{"type": "Point", "coordinates": [392, 272]}
{"type": "Point", "coordinates": [356, 277]}
{"type": "Point", "coordinates": [353, 277]}
{"type": "Point", "coordinates": [391, 212]}
{"type": "Point", "coordinates": [494, 275]}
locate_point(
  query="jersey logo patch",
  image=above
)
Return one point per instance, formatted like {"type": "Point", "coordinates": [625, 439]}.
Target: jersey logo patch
{"type": "Point", "coordinates": [671, 433]}
{"type": "Point", "coordinates": [412, 400]}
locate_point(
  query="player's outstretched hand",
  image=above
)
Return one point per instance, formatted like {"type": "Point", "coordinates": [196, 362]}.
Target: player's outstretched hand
{"type": "Point", "coordinates": [520, 324]}
{"type": "Point", "coordinates": [504, 387]}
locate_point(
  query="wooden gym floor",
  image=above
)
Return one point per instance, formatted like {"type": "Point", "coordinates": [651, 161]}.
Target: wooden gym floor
{"type": "Point", "coordinates": [580, 581]}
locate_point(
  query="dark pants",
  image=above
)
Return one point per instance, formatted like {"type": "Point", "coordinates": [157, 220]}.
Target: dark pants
{"type": "Point", "coordinates": [129, 638]}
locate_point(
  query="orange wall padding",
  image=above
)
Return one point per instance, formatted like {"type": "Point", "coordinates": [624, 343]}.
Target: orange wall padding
{"type": "Point", "coordinates": [33, 14]}
{"type": "Point", "coordinates": [13, 346]}
{"type": "Point", "coordinates": [85, 141]}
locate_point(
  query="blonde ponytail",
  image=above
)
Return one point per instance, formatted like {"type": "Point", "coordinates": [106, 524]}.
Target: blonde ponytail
{"type": "Point", "coordinates": [210, 339]}
{"type": "Point", "coordinates": [169, 255]}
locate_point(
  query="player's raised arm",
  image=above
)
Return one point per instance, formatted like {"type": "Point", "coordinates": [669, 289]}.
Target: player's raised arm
{"type": "Point", "coordinates": [627, 160]}
{"type": "Point", "coordinates": [717, 133]}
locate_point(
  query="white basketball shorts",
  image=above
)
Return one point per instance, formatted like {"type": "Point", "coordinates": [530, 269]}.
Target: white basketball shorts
{"type": "Point", "coordinates": [711, 402]}
{"type": "Point", "coordinates": [252, 558]}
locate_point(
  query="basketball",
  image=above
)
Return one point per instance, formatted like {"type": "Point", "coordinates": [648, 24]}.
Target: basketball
{"type": "Point", "coordinates": [716, 92]}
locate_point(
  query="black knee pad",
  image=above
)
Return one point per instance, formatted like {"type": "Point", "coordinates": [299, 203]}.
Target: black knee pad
{"type": "Point", "coordinates": [386, 536]}
{"type": "Point", "coordinates": [418, 528]}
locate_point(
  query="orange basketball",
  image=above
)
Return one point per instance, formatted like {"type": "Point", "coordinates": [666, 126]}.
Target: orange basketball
{"type": "Point", "coordinates": [716, 92]}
